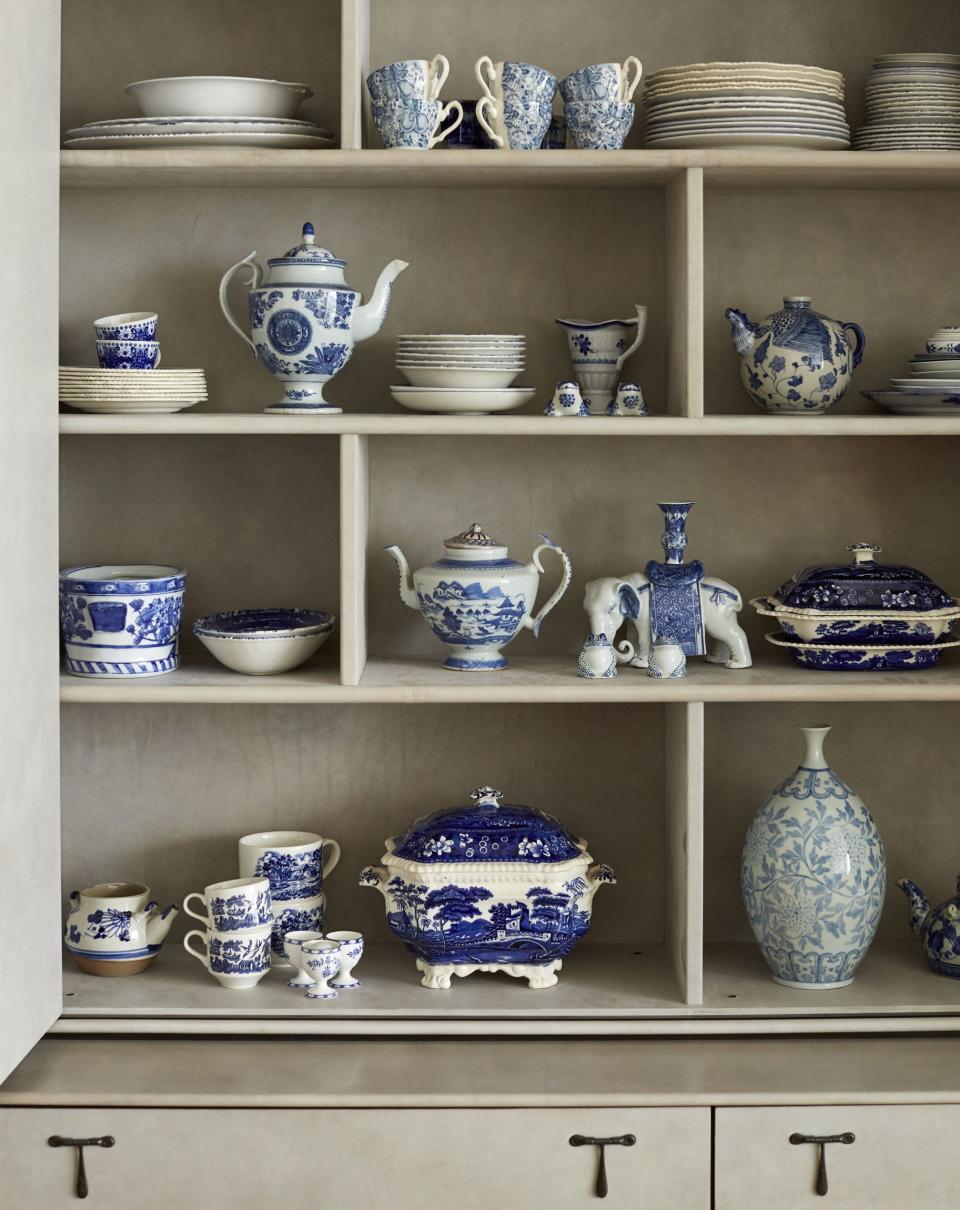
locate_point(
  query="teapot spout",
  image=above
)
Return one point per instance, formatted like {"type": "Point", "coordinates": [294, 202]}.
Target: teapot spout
{"type": "Point", "coordinates": [919, 903]}
{"type": "Point", "coordinates": [158, 924]}
{"type": "Point", "coordinates": [368, 319]}
{"type": "Point", "coordinates": [743, 331]}
{"type": "Point", "coordinates": [408, 593]}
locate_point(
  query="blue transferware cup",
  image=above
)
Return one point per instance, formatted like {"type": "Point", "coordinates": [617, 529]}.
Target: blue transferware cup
{"type": "Point", "coordinates": [409, 80]}
{"type": "Point", "coordinates": [603, 82]}
{"type": "Point", "coordinates": [517, 102]}
{"type": "Point", "coordinates": [236, 960]}
{"type": "Point", "coordinates": [128, 354]}
{"type": "Point", "coordinates": [599, 125]}
{"type": "Point", "coordinates": [415, 125]}
{"type": "Point", "coordinates": [131, 325]}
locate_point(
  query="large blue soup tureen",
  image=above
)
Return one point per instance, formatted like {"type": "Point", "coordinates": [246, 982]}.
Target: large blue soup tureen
{"type": "Point", "coordinates": [488, 887]}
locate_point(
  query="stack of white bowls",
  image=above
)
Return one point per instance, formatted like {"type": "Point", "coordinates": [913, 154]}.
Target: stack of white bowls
{"type": "Point", "coordinates": [461, 372]}
{"type": "Point", "coordinates": [129, 391]}
{"type": "Point", "coordinates": [933, 388]}
{"type": "Point", "coordinates": [746, 104]}
{"type": "Point", "coordinates": [913, 104]}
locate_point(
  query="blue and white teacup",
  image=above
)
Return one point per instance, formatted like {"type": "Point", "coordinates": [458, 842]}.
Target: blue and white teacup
{"type": "Point", "coordinates": [517, 104]}
{"type": "Point", "coordinates": [415, 125]}
{"type": "Point", "coordinates": [409, 80]}
{"type": "Point", "coordinates": [600, 125]}
{"type": "Point", "coordinates": [233, 906]}
{"type": "Point", "coordinates": [567, 401]}
{"type": "Point", "coordinates": [628, 401]}
{"type": "Point", "coordinates": [131, 325]}
{"type": "Point", "coordinates": [603, 82]}
{"type": "Point", "coordinates": [128, 354]}
{"type": "Point", "coordinates": [236, 960]}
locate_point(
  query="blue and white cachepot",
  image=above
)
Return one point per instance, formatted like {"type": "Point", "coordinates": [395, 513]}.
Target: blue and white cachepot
{"type": "Point", "coordinates": [488, 887]}
{"type": "Point", "coordinates": [517, 103]}
{"type": "Point", "coordinates": [813, 875]}
{"type": "Point", "coordinates": [476, 598]}
{"type": "Point", "coordinates": [121, 621]}
{"type": "Point", "coordinates": [796, 360]}
{"type": "Point", "coordinates": [304, 320]}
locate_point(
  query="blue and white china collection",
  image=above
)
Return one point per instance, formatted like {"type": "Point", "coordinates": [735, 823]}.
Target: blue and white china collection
{"type": "Point", "coordinates": [305, 321]}
{"type": "Point", "coordinates": [796, 360]}
{"type": "Point", "coordinates": [598, 350]}
{"type": "Point", "coordinates": [517, 102]}
{"type": "Point", "coordinates": [115, 928]}
{"type": "Point", "coordinates": [488, 887]}
{"type": "Point", "coordinates": [264, 642]}
{"type": "Point", "coordinates": [912, 104]}
{"type": "Point", "coordinates": [813, 875]}
{"type": "Point", "coordinates": [475, 598]}
{"type": "Point", "coordinates": [933, 385]}
{"type": "Point", "coordinates": [233, 906]}
{"type": "Point", "coordinates": [937, 927]}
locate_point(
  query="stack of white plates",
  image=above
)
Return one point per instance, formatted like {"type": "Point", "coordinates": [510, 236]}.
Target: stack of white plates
{"type": "Point", "coordinates": [746, 104]}
{"type": "Point", "coordinates": [933, 388]}
{"type": "Point", "coordinates": [461, 372]}
{"type": "Point", "coordinates": [94, 390]}
{"type": "Point", "coordinates": [913, 104]}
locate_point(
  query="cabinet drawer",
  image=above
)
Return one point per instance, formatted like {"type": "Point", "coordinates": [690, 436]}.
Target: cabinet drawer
{"type": "Point", "coordinates": [356, 1158]}
{"type": "Point", "coordinates": [897, 1159]}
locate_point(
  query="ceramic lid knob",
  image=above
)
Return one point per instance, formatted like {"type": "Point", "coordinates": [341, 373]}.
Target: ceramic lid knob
{"type": "Point", "coordinates": [864, 552]}
{"type": "Point", "coordinates": [486, 794]}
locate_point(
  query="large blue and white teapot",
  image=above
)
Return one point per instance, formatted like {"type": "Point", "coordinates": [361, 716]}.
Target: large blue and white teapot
{"type": "Point", "coordinates": [304, 319]}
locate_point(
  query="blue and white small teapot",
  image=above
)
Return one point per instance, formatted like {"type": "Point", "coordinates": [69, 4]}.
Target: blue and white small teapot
{"type": "Point", "coordinates": [305, 321]}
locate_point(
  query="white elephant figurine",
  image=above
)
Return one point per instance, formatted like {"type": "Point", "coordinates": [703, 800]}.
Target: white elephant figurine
{"type": "Point", "coordinates": [612, 600]}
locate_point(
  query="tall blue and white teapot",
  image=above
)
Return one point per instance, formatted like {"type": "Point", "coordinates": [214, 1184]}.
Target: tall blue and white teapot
{"type": "Point", "coordinates": [304, 319]}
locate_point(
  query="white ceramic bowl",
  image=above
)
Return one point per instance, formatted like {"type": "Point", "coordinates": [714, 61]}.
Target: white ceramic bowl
{"type": "Point", "coordinates": [463, 401]}
{"type": "Point", "coordinates": [421, 377]}
{"type": "Point", "coordinates": [218, 96]}
{"type": "Point", "coordinates": [264, 642]}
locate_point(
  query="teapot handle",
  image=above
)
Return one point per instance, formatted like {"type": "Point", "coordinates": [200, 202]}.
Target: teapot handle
{"type": "Point", "coordinates": [74, 898]}
{"type": "Point", "coordinates": [256, 274]}
{"type": "Point", "coordinates": [641, 332]}
{"type": "Point", "coordinates": [534, 623]}
{"type": "Point", "coordinates": [859, 341]}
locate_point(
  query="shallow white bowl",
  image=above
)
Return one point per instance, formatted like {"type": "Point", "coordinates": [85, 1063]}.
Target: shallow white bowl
{"type": "Point", "coordinates": [421, 377]}
{"type": "Point", "coordinates": [263, 642]}
{"type": "Point", "coordinates": [462, 402]}
{"type": "Point", "coordinates": [217, 96]}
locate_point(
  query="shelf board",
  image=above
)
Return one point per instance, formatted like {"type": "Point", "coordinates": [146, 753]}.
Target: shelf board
{"type": "Point", "coordinates": [762, 168]}
{"type": "Point", "coordinates": [622, 988]}
{"type": "Point", "coordinates": [773, 678]}
{"type": "Point", "coordinates": [408, 424]}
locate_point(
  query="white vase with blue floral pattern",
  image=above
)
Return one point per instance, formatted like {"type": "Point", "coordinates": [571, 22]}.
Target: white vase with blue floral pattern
{"type": "Point", "coordinates": [813, 875]}
{"type": "Point", "coordinates": [304, 320]}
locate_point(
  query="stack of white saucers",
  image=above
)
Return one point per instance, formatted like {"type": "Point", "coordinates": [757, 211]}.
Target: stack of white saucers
{"type": "Point", "coordinates": [129, 391]}
{"type": "Point", "coordinates": [461, 372]}
{"type": "Point", "coordinates": [933, 388]}
{"type": "Point", "coordinates": [746, 104]}
{"type": "Point", "coordinates": [913, 104]}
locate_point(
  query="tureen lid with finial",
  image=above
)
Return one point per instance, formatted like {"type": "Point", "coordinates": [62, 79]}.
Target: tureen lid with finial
{"type": "Point", "coordinates": [306, 264]}
{"type": "Point", "coordinates": [863, 584]}
{"type": "Point", "coordinates": [474, 548]}
{"type": "Point", "coordinates": [487, 830]}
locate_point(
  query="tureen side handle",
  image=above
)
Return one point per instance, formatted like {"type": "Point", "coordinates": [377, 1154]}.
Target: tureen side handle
{"type": "Point", "coordinates": [858, 343]}
{"type": "Point", "coordinates": [375, 876]}
{"type": "Point", "coordinates": [256, 275]}
{"type": "Point", "coordinates": [534, 622]}
{"type": "Point", "coordinates": [599, 874]}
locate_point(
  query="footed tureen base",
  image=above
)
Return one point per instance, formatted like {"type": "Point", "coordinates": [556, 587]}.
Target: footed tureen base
{"type": "Point", "coordinates": [438, 975]}
{"type": "Point", "coordinates": [475, 659]}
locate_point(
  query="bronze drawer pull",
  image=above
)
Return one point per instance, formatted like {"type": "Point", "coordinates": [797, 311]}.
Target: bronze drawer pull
{"type": "Point", "coordinates": [105, 1140]}
{"type": "Point", "coordinates": [821, 1141]}
{"type": "Point", "coordinates": [584, 1140]}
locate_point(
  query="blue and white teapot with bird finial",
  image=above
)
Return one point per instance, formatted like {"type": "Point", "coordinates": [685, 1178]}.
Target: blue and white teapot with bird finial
{"type": "Point", "coordinates": [796, 360]}
{"type": "Point", "coordinates": [305, 320]}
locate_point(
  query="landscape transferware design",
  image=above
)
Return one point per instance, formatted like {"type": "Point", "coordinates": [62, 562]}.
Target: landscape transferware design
{"type": "Point", "coordinates": [292, 875]}
{"type": "Point", "coordinates": [232, 913]}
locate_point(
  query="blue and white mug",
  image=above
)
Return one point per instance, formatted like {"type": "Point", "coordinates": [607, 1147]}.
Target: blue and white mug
{"type": "Point", "coordinates": [236, 960]}
{"type": "Point", "coordinates": [517, 102]}
{"type": "Point", "coordinates": [292, 861]}
{"type": "Point", "coordinates": [131, 325]}
{"type": "Point", "coordinates": [128, 354]}
{"type": "Point", "coordinates": [409, 79]}
{"type": "Point", "coordinates": [603, 81]}
{"type": "Point", "coordinates": [233, 906]}
{"type": "Point", "coordinates": [600, 125]}
{"type": "Point", "coordinates": [415, 125]}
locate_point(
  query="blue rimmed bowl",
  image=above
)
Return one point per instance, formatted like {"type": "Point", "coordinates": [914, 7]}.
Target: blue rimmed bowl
{"type": "Point", "coordinates": [264, 642]}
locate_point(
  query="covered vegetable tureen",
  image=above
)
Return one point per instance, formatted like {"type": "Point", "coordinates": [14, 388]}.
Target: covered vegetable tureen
{"type": "Point", "coordinates": [862, 615]}
{"type": "Point", "coordinates": [488, 887]}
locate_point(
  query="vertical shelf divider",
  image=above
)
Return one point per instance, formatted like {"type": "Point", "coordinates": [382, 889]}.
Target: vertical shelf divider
{"type": "Point", "coordinates": [354, 528]}
{"type": "Point", "coordinates": [354, 69]}
{"type": "Point", "coordinates": [684, 755]}
{"type": "Point", "coordinates": [684, 274]}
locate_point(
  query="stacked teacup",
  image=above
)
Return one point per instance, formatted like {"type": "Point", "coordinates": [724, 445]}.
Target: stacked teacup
{"type": "Point", "coordinates": [128, 341]}
{"type": "Point", "coordinates": [597, 101]}
{"type": "Point", "coordinates": [237, 916]}
{"type": "Point", "coordinates": [295, 866]}
{"type": "Point", "coordinates": [406, 104]}
{"type": "Point", "coordinates": [517, 103]}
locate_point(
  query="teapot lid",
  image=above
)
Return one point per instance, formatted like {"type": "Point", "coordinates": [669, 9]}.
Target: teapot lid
{"type": "Point", "coordinates": [308, 253]}
{"type": "Point", "coordinates": [862, 585]}
{"type": "Point", "coordinates": [475, 545]}
{"type": "Point", "coordinates": [490, 830]}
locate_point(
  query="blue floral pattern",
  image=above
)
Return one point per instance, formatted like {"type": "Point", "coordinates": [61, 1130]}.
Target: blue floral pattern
{"type": "Point", "coordinates": [600, 125]}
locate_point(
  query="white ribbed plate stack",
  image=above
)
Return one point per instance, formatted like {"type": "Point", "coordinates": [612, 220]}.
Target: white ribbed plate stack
{"type": "Point", "coordinates": [461, 372]}
{"type": "Point", "coordinates": [912, 104]}
{"type": "Point", "coordinates": [746, 104]}
{"type": "Point", "coordinates": [131, 391]}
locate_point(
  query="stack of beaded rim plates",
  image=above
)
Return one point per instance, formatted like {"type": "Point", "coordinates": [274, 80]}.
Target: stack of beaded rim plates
{"type": "Point", "coordinates": [746, 105]}
{"type": "Point", "coordinates": [461, 372]}
{"type": "Point", "coordinates": [933, 388]}
{"type": "Point", "coordinates": [912, 104]}
{"type": "Point", "coordinates": [130, 391]}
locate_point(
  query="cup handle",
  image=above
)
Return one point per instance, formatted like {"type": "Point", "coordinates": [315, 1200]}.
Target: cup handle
{"type": "Point", "coordinates": [159, 358]}
{"type": "Point", "coordinates": [205, 918]}
{"type": "Point", "coordinates": [630, 88]}
{"type": "Point", "coordinates": [331, 862]}
{"type": "Point", "coordinates": [445, 112]}
{"type": "Point", "coordinates": [482, 69]}
{"type": "Point", "coordinates": [190, 950]}
{"type": "Point", "coordinates": [482, 105]}
{"type": "Point", "coordinates": [440, 65]}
